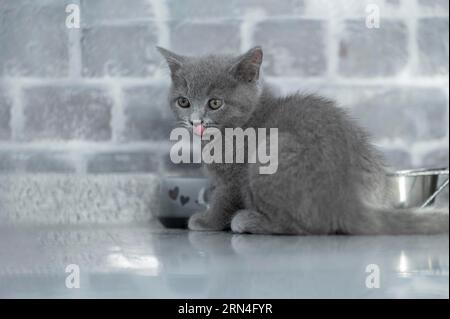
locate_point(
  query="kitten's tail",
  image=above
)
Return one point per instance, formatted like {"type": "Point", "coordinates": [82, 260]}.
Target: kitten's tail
{"type": "Point", "coordinates": [385, 221]}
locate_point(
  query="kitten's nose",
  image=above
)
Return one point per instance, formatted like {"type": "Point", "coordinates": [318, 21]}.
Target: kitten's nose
{"type": "Point", "coordinates": [198, 127]}
{"type": "Point", "coordinates": [195, 122]}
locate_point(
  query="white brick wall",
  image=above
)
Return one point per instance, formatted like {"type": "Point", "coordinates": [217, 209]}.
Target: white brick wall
{"type": "Point", "coordinates": [93, 99]}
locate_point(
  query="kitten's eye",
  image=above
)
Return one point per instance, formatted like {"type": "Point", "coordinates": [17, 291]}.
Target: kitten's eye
{"type": "Point", "coordinates": [215, 103]}
{"type": "Point", "coordinates": [183, 102]}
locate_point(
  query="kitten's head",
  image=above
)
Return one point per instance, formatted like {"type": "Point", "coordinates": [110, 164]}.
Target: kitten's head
{"type": "Point", "coordinates": [215, 90]}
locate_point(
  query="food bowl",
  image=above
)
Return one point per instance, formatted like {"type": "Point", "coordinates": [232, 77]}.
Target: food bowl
{"type": "Point", "coordinates": [180, 198]}
{"type": "Point", "coordinates": [418, 187]}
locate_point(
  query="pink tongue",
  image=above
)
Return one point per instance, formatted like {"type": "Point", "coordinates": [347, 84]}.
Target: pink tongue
{"type": "Point", "coordinates": [199, 129]}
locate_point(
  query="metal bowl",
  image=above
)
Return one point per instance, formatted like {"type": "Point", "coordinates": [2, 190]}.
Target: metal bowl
{"type": "Point", "coordinates": [417, 187]}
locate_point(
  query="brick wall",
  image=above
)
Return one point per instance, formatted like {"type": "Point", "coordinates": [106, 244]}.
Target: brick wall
{"type": "Point", "coordinates": [92, 100]}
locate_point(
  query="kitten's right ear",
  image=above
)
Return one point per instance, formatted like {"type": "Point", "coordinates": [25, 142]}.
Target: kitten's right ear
{"type": "Point", "coordinates": [174, 61]}
{"type": "Point", "coordinates": [247, 66]}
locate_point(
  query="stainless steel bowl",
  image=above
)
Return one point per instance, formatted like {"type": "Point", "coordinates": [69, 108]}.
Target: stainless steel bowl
{"type": "Point", "coordinates": [418, 187]}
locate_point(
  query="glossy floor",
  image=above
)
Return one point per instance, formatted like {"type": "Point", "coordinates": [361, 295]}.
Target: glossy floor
{"type": "Point", "coordinates": [143, 262]}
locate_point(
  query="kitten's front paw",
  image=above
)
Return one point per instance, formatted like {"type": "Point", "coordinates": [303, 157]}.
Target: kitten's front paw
{"type": "Point", "coordinates": [247, 221]}
{"type": "Point", "coordinates": [203, 221]}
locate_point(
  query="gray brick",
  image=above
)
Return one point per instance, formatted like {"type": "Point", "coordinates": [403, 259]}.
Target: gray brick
{"type": "Point", "coordinates": [432, 38]}
{"type": "Point", "coordinates": [33, 38]}
{"type": "Point", "coordinates": [270, 7]}
{"type": "Point", "coordinates": [292, 47]}
{"type": "Point", "coordinates": [43, 199]}
{"type": "Point", "coordinates": [124, 162]}
{"type": "Point", "coordinates": [100, 11]}
{"type": "Point", "coordinates": [439, 5]}
{"type": "Point", "coordinates": [203, 38]}
{"type": "Point", "coordinates": [66, 113]}
{"type": "Point", "coordinates": [397, 159]}
{"type": "Point", "coordinates": [36, 162]}
{"type": "Point", "coordinates": [7, 164]}
{"type": "Point", "coordinates": [365, 52]}
{"type": "Point", "coordinates": [120, 51]}
{"type": "Point", "coordinates": [199, 9]}
{"type": "Point", "coordinates": [147, 113]}
{"type": "Point", "coordinates": [408, 114]}
{"type": "Point", "coordinates": [181, 169]}
{"type": "Point", "coordinates": [49, 162]}
{"type": "Point", "coordinates": [436, 159]}
{"type": "Point", "coordinates": [213, 9]}
{"type": "Point", "coordinates": [5, 115]}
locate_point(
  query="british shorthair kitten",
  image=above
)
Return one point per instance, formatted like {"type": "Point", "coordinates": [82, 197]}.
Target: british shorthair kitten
{"type": "Point", "coordinates": [329, 178]}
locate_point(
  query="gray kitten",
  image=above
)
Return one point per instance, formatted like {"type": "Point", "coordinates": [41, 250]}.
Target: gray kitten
{"type": "Point", "coordinates": [330, 180]}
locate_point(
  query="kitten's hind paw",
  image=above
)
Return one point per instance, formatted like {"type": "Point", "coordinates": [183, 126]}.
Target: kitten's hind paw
{"type": "Point", "coordinates": [203, 222]}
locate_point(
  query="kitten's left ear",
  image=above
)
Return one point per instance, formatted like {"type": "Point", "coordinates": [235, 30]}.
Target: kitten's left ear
{"type": "Point", "coordinates": [174, 61]}
{"type": "Point", "coordinates": [246, 67]}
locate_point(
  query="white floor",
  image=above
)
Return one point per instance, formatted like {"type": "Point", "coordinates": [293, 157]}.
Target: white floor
{"type": "Point", "coordinates": [139, 261]}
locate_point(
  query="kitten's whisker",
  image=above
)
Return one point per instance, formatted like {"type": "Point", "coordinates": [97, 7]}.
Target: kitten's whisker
{"type": "Point", "coordinates": [211, 125]}
{"type": "Point", "coordinates": [183, 123]}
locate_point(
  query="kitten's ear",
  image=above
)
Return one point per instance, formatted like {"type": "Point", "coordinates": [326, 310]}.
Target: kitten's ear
{"type": "Point", "coordinates": [246, 67]}
{"type": "Point", "coordinates": [174, 61]}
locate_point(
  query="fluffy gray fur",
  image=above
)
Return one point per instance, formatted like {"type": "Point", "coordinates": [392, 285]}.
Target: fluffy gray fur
{"type": "Point", "coordinates": [330, 180]}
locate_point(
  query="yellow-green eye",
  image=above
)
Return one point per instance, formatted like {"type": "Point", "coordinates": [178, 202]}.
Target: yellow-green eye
{"type": "Point", "coordinates": [183, 102]}
{"type": "Point", "coordinates": [215, 103]}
